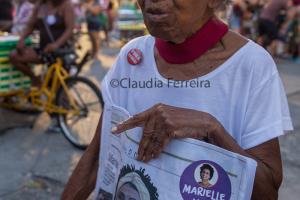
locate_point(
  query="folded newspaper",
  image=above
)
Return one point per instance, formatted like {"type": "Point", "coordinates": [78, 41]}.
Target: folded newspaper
{"type": "Point", "coordinates": [187, 169]}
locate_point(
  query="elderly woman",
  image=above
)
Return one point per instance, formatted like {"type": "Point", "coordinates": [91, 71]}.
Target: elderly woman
{"type": "Point", "coordinates": [241, 107]}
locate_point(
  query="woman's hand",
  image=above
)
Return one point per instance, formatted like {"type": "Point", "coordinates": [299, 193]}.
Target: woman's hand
{"type": "Point", "coordinates": [51, 47]}
{"type": "Point", "coordinates": [162, 123]}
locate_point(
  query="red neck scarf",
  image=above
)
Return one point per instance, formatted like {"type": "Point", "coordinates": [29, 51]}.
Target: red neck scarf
{"type": "Point", "coordinates": [195, 46]}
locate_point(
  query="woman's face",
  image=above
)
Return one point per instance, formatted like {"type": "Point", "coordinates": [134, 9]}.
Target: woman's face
{"type": "Point", "coordinates": [175, 20]}
{"type": "Point", "coordinates": [127, 192]}
{"type": "Point", "coordinates": [205, 174]}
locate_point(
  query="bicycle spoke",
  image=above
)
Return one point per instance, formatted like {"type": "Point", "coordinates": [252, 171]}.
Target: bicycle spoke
{"type": "Point", "coordinates": [92, 103]}
{"type": "Point", "coordinates": [78, 95]}
{"type": "Point", "coordinates": [75, 121]}
{"type": "Point", "coordinates": [72, 117]}
{"type": "Point", "coordinates": [80, 128]}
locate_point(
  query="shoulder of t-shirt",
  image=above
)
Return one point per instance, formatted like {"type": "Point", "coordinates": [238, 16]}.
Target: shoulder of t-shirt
{"type": "Point", "coordinates": [259, 63]}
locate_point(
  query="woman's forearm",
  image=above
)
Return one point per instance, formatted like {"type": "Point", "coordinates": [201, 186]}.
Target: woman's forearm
{"type": "Point", "coordinates": [83, 179]}
{"type": "Point", "coordinates": [268, 172]}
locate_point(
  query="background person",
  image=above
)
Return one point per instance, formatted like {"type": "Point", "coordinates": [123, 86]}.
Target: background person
{"type": "Point", "coordinates": [237, 15]}
{"type": "Point", "coordinates": [54, 19]}
{"type": "Point", "coordinates": [93, 11]}
{"type": "Point", "coordinates": [268, 26]}
{"type": "Point", "coordinates": [22, 15]}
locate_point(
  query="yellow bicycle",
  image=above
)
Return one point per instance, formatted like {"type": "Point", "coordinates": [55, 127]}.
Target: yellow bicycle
{"type": "Point", "coordinates": [75, 101]}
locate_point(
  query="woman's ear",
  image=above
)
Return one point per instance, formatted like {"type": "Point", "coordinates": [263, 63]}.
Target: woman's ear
{"type": "Point", "coordinates": [214, 4]}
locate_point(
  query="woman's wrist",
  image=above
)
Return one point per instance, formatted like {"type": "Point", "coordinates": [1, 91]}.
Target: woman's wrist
{"type": "Point", "coordinates": [208, 128]}
{"type": "Point", "coordinates": [214, 131]}
{"type": "Point", "coordinates": [217, 135]}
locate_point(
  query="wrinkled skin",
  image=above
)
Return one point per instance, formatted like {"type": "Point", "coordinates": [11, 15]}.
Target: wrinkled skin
{"type": "Point", "coordinates": [162, 123]}
{"type": "Point", "coordinates": [174, 21]}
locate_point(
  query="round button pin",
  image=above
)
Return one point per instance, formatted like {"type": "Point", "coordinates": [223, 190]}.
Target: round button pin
{"type": "Point", "coordinates": [134, 56]}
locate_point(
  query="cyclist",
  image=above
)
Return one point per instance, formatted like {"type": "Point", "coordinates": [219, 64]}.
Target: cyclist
{"type": "Point", "coordinates": [55, 21]}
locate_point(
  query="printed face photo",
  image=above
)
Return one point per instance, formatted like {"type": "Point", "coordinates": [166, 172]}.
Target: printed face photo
{"type": "Point", "coordinates": [103, 195]}
{"type": "Point", "coordinates": [128, 192]}
{"type": "Point", "coordinates": [134, 184]}
{"type": "Point", "coordinates": [206, 175]}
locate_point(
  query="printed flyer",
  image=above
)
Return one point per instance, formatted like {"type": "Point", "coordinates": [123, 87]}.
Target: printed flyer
{"type": "Point", "coordinates": [187, 169]}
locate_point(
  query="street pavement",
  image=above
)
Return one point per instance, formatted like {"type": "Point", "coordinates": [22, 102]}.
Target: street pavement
{"type": "Point", "coordinates": [290, 148]}
{"type": "Point", "coordinates": [37, 165]}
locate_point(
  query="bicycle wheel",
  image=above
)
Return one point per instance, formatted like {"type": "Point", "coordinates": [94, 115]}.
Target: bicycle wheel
{"type": "Point", "coordinates": [79, 129]}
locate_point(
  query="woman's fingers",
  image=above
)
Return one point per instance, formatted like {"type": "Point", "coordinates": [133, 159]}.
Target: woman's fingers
{"type": "Point", "coordinates": [156, 151]}
{"type": "Point", "coordinates": [142, 148]}
{"type": "Point", "coordinates": [137, 120]}
{"type": "Point", "coordinates": [158, 140]}
{"type": "Point", "coordinates": [157, 144]}
{"type": "Point", "coordinates": [148, 131]}
{"type": "Point", "coordinates": [131, 123]}
{"type": "Point", "coordinates": [148, 149]}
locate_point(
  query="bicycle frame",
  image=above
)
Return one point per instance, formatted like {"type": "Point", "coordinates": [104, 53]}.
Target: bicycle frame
{"type": "Point", "coordinates": [44, 98]}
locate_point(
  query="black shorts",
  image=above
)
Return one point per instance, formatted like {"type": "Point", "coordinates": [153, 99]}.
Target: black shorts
{"type": "Point", "coordinates": [94, 26]}
{"type": "Point", "coordinates": [267, 28]}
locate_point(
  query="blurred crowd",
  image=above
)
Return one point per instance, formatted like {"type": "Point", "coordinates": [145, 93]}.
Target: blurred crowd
{"type": "Point", "coordinates": [274, 24]}
{"type": "Point", "coordinates": [14, 14]}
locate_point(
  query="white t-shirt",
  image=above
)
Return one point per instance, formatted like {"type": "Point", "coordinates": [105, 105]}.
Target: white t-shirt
{"type": "Point", "coordinates": [245, 93]}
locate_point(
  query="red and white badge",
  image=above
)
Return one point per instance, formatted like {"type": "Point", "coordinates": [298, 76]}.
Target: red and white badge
{"type": "Point", "coordinates": [134, 56]}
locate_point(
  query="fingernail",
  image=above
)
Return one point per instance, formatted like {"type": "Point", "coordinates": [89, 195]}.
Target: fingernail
{"type": "Point", "coordinates": [114, 129]}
